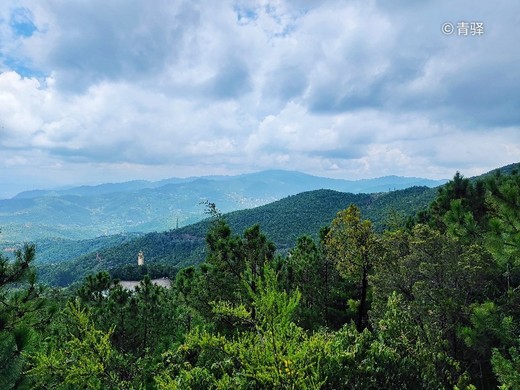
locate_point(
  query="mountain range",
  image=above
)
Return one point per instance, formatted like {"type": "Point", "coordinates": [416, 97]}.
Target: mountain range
{"type": "Point", "coordinates": [87, 212]}
{"type": "Point", "coordinates": [62, 261]}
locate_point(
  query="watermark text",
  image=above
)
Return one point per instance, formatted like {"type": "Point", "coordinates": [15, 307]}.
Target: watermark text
{"type": "Point", "coordinates": [463, 28]}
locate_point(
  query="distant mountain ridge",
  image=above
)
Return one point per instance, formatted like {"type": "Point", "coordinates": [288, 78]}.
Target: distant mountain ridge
{"type": "Point", "coordinates": [143, 206]}
{"type": "Point", "coordinates": [300, 182]}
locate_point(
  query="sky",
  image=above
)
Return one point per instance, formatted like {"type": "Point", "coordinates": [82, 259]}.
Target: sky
{"type": "Point", "coordinates": [114, 90]}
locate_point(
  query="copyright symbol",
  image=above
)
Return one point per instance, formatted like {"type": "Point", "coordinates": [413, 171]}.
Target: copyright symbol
{"type": "Point", "coordinates": [447, 28]}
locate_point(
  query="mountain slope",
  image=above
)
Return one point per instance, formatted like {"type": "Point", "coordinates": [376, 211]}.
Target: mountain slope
{"type": "Point", "coordinates": [282, 221]}
{"type": "Point", "coordinates": [505, 170]}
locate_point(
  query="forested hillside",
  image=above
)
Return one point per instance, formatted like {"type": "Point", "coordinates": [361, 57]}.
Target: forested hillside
{"type": "Point", "coordinates": [282, 221]}
{"type": "Point", "coordinates": [428, 302]}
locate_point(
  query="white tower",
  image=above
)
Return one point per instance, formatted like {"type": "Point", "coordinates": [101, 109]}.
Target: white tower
{"type": "Point", "coordinates": [140, 258]}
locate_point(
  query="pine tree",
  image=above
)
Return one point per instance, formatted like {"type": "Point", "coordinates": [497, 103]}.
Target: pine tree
{"type": "Point", "coordinates": [21, 314]}
{"type": "Point", "coordinates": [352, 244]}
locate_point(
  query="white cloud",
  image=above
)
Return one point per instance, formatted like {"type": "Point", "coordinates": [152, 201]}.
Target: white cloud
{"type": "Point", "coordinates": [119, 90]}
{"type": "Point", "coordinates": [20, 101]}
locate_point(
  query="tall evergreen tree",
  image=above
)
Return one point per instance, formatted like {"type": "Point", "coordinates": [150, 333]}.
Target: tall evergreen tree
{"type": "Point", "coordinates": [21, 314]}
{"type": "Point", "coordinates": [352, 244]}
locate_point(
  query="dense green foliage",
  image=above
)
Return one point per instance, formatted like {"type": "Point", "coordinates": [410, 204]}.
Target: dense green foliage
{"type": "Point", "coordinates": [431, 302]}
{"type": "Point", "coordinates": [23, 312]}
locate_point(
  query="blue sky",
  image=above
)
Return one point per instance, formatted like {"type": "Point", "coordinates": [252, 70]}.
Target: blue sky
{"type": "Point", "coordinates": [97, 91]}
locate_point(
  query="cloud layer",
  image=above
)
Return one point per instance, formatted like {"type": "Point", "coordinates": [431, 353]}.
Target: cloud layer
{"type": "Point", "coordinates": [96, 91]}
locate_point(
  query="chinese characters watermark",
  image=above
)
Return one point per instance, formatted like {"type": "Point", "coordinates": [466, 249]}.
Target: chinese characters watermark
{"type": "Point", "coordinates": [463, 28]}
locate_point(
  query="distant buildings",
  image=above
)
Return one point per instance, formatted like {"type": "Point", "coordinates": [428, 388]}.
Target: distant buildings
{"type": "Point", "coordinates": [131, 284]}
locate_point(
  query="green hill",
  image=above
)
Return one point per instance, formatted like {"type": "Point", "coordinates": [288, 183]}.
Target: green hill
{"type": "Point", "coordinates": [282, 221]}
{"type": "Point", "coordinates": [505, 170]}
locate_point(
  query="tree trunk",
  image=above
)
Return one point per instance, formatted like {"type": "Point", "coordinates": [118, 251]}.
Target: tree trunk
{"type": "Point", "coordinates": [361, 319]}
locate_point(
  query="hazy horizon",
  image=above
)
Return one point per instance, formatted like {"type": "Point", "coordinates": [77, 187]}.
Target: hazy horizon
{"type": "Point", "coordinates": [94, 184]}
